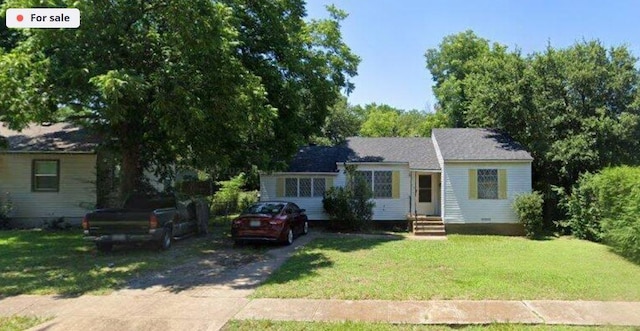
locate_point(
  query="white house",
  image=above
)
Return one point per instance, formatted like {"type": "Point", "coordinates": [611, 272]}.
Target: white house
{"type": "Point", "coordinates": [47, 172]}
{"type": "Point", "coordinates": [465, 178]}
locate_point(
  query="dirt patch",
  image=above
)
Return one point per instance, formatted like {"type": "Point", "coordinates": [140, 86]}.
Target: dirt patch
{"type": "Point", "coordinates": [215, 258]}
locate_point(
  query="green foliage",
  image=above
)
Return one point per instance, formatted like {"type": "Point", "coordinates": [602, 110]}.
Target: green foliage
{"type": "Point", "coordinates": [623, 233]}
{"type": "Point", "coordinates": [381, 122]}
{"type": "Point", "coordinates": [342, 121]}
{"type": "Point", "coordinates": [18, 323]}
{"type": "Point", "coordinates": [609, 203]}
{"type": "Point", "coordinates": [350, 208]}
{"type": "Point", "coordinates": [226, 199]}
{"type": "Point", "coordinates": [246, 199]}
{"type": "Point", "coordinates": [449, 65]}
{"type": "Point", "coordinates": [583, 210]}
{"type": "Point", "coordinates": [528, 207]}
{"type": "Point", "coordinates": [57, 224]}
{"type": "Point", "coordinates": [434, 121]}
{"type": "Point", "coordinates": [386, 121]}
{"type": "Point", "coordinates": [6, 207]}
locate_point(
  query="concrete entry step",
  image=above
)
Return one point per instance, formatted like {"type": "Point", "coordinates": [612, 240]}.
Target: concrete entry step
{"type": "Point", "coordinates": [424, 225]}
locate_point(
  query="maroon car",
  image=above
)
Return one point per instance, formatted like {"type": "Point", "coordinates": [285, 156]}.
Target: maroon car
{"type": "Point", "coordinates": [270, 221]}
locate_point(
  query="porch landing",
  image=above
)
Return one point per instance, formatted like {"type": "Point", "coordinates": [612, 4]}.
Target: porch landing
{"type": "Point", "coordinates": [427, 226]}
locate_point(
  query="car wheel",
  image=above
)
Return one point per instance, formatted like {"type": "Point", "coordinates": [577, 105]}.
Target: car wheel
{"type": "Point", "coordinates": [104, 247]}
{"type": "Point", "coordinates": [289, 237]}
{"type": "Point", "coordinates": [165, 241]}
{"type": "Point", "coordinates": [305, 227]}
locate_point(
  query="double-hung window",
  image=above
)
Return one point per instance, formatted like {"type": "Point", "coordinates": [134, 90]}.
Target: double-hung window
{"type": "Point", "coordinates": [45, 176]}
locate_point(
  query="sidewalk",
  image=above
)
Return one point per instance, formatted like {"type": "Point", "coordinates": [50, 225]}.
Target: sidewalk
{"type": "Point", "coordinates": [445, 312]}
{"type": "Point", "coordinates": [185, 312]}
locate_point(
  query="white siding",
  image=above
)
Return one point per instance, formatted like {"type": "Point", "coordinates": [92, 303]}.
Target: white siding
{"type": "Point", "coordinates": [387, 209]}
{"type": "Point", "coordinates": [313, 205]}
{"type": "Point", "coordinates": [458, 208]}
{"type": "Point", "coordinates": [76, 196]}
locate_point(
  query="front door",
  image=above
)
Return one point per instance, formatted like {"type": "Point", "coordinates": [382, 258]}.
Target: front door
{"type": "Point", "coordinates": [424, 192]}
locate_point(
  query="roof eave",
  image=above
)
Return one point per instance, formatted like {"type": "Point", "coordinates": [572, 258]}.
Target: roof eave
{"type": "Point", "coordinates": [376, 163]}
{"type": "Point", "coordinates": [298, 173]}
{"type": "Point", "coordinates": [47, 152]}
{"type": "Point", "coordinates": [487, 160]}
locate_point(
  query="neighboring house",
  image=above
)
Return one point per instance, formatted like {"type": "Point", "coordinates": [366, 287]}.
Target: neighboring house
{"type": "Point", "coordinates": [467, 178]}
{"type": "Point", "coordinates": [49, 172]}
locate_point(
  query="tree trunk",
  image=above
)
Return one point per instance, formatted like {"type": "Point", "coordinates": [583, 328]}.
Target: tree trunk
{"type": "Point", "coordinates": [202, 215]}
{"type": "Point", "coordinates": [131, 171]}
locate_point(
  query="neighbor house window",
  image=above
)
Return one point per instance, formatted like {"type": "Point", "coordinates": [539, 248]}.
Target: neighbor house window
{"type": "Point", "coordinates": [291, 187]}
{"type": "Point", "coordinates": [45, 176]}
{"type": "Point", "coordinates": [304, 187]}
{"type": "Point", "coordinates": [319, 186]}
{"type": "Point", "coordinates": [487, 183]}
{"type": "Point", "coordinates": [380, 182]}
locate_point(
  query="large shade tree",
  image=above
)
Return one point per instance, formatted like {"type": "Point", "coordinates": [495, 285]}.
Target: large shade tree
{"type": "Point", "coordinates": [212, 84]}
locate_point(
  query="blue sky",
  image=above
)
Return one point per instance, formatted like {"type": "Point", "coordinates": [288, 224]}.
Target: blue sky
{"type": "Point", "coordinates": [391, 37]}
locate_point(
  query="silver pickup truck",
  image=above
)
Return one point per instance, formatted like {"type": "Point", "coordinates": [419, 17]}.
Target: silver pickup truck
{"type": "Point", "coordinates": [156, 219]}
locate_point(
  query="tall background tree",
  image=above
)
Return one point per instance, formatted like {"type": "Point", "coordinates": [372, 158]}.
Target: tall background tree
{"type": "Point", "coordinates": [211, 84]}
{"type": "Point", "coordinates": [575, 109]}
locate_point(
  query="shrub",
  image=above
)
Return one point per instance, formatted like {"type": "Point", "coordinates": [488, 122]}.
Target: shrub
{"type": "Point", "coordinates": [57, 224]}
{"type": "Point", "coordinates": [618, 192]}
{"type": "Point", "coordinates": [350, 208]}
{"type": "Point", "coordinates": [528, 207]}
{"type": "Point", "coordinates": [623, 233]}
{"type": "Point", "coordinates": [6, 207]}
{"type": "Point", "coordinates": [583, 209]}
{"type": "Point", "coordinates": [225, 200]}
{"type": "Point", "coordinates": [246, 199]}
{"type": "Point", "coordinates": [606, 206]}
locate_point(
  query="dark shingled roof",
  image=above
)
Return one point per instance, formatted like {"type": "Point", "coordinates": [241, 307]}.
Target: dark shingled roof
{"type": "Point", "coordinates": [418, 152]}
{"type": "Point", "coordinates": [316, 159]}
{"type": "Point", "coordinates": [58, 137]}
{"type": "Point", "coordinates": [477, 145]}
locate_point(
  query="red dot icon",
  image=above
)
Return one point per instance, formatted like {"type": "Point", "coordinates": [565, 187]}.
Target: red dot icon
{"type": "Point", "coordinates": [20, 18]}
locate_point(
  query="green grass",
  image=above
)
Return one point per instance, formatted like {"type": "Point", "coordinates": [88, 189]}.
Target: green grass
{"type": "Point", "coordinates": [463, 267]}
{"type": "Point", "coordinates": [251, 325]}
{"type": "Point", "coordinates": [18, 323]}
{"type": "Point", "coordinates": [41, 262]}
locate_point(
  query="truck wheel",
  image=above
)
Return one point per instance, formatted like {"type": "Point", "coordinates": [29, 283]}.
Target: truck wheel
{"type": "Point", "coordinates": [165, 241]}
{"type": "Point", "coordinates": [104, 247]}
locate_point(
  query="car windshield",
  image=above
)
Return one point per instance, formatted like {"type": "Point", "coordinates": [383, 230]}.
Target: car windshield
{"type": "Point", "coordinates": [264, 208]}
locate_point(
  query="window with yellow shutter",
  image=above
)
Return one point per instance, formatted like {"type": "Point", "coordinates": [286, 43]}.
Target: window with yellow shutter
{"type": "Point", "coordinates": [488, 184]}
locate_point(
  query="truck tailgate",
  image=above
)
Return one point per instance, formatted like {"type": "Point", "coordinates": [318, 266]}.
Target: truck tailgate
{"type": "Point", "coordinates": [118, 221]}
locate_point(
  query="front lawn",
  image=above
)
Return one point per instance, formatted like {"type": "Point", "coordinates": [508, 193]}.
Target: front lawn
{"type": "Point", "coordinates": [463, 267]}
{"type": "Point", "coordinates": [41, 262]}
{"type": "Point", "coordinates": [250, 325]}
